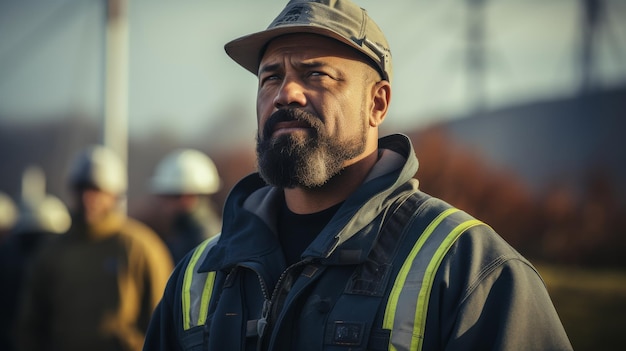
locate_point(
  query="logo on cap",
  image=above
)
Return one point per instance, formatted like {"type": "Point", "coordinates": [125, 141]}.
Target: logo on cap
{"type": "Point", "coordinates": [292, 15]}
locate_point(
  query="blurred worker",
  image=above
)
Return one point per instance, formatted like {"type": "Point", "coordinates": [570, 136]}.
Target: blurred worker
{"type": "Point", "coordinates": [95, 287]}
{"type": "Point", "coordinates": [40, 220]}
{"type": "Point", "coordinates": [8, 215]}
{"type": "Point", "coordinates": [184, 181]}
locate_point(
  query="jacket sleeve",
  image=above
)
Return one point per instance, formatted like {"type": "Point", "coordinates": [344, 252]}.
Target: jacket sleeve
{"type": "Point", "coordinates": [495, 300]}
{"type": "Point", "coordinates": [161, 333]}
{"type": "Point", "coordinates": [516, 311]}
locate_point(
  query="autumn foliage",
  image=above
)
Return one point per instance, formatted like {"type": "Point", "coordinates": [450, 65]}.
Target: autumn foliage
{"type": "Point", "coordinates": [582, 227]}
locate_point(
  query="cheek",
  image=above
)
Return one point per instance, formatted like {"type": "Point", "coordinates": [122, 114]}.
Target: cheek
{"type": "Point", "coordinates": [265, 97]}
{"type": "Point", "coordinates": [261, 118]}
{"type": "Point", "coordinates": [350, 115]}
{"type": "Point", "coordinates": [264, 108]}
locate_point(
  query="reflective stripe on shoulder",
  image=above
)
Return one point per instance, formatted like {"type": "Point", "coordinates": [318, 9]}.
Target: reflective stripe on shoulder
{"type": "Point", "coordinates": [412, 287]}
{"type": "Point", "coordinates": [197, 287]}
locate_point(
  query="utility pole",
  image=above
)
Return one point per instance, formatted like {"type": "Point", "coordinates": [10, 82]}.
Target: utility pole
{"type": "Point", "coordinates": [115, 124]}
{"type": "Point", "coordinates": [33, 185]}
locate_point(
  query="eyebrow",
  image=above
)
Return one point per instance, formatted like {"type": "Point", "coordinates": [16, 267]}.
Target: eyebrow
{"type": "Point", "coordinates": [312, 64]}
{"type": "Point", "coordinates": [307, 65]}
{"type": "Point", "coordinates": [271, 68]}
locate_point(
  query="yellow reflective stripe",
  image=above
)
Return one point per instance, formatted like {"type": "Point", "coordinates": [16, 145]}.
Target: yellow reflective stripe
{"type": "Point", "coordinates": [206, 297]}
{"type": "Point", "coordinates": [392, 303]}
{"type": "Point", "coordinates": [429, 277]}
{"type": "Point", "coordinates": [187, 279]}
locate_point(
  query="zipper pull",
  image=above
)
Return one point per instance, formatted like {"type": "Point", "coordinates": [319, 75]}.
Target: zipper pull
{"type": "Point", "coordinates": [262, 323]}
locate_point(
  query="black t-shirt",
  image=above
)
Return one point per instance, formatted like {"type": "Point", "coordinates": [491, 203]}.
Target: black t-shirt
{"type": "Point", "coordinates": [297, 231]}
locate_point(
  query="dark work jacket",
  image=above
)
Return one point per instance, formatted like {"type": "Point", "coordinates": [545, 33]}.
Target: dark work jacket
{"type": "Point", "coordinates": [485, 295]}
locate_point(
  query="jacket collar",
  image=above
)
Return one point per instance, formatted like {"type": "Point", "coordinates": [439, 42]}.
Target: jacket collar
{"type": "Point", "coordinates": [248, 233]}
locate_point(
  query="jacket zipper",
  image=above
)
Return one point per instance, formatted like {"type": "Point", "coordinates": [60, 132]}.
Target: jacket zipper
{"type": "Point", "coordinates": [262, 322]}
{"type": "Point", "coordinates": [268, 304]}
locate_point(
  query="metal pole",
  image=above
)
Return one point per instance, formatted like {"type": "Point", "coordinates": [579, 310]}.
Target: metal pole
{"type": "Point", "coordinates": [115, 126]}
{"type": "Point", "coordinates": [33, 185]}
{"type": "Point", "coordinates": [115, 129]}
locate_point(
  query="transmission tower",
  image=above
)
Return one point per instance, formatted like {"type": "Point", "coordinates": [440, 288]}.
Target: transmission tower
{"type": "Point", "coordinates": [475, 57]}
{"type": "Point", "coordinates": [594, 24]}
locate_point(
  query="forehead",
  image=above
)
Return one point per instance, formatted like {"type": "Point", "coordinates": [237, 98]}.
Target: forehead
{"type": "Point", "coordinates": [308, 46]}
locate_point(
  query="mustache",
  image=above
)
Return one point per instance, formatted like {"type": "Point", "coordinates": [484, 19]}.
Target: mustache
{"type": "Point", "coordinates": [290, 114]}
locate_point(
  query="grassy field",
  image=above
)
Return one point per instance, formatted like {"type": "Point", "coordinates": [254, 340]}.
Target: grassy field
{"type": "Point", "coordinates": [591, 304]}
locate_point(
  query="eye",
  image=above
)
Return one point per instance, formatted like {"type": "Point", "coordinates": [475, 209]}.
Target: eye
{"type": "Point", "coordinates": [268, 78]}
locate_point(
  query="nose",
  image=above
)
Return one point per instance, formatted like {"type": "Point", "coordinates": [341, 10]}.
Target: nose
{"type": "Point", "coordinates": [291, 92]}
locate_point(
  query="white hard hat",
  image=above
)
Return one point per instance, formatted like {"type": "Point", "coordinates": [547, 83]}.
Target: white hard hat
{"type": "Point", "coordinates": [99, 167]}
{"type": "Point", "coordinates": [47, 214]}
{"type": "Point", "coordinates": [8, 212]}
{"type": "Point", "coordinates": [185, 171]}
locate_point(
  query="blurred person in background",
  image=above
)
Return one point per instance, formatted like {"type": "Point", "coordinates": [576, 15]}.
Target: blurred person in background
{"type": "Point", "coordinates": [8, 215]}
{"type": "Point", "coordinates": [39, 221]}
{"type": "Point", "coordinates": [95, 287]}
{"type": "Point", "coordinates": [183, 181]}
{"type": "Point", "coordinates": [331, 245]}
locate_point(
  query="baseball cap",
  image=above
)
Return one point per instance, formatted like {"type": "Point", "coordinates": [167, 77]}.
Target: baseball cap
{"type": "Point", "coordinates": [341, 20]}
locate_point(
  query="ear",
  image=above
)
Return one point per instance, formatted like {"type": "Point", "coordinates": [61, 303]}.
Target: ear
{"type": "Point", "coordinates": [381, 97]}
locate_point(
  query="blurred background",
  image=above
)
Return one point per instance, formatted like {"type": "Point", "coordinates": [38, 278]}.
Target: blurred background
{"type": "Point", "coordinates": [516, 109]}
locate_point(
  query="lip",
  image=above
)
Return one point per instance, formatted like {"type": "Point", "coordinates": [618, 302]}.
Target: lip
{"type": "Point", "coordinates": [289, 126]}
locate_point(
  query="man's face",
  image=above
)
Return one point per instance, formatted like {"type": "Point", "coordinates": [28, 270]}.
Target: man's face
{"type": "Point", "coordinates": [95, 204]}
{"type": "Point", "coordinates": [312, 110]}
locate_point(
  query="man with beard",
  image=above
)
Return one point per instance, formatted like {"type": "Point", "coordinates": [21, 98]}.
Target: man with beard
{"type": "Point", "coordinates": [331, 246]}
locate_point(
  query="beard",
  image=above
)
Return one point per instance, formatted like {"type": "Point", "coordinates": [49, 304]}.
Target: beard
{"type": "Point", "coordinates": [310, 160]}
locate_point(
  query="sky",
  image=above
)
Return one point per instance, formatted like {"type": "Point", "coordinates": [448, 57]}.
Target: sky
{"type": "Point", "coordinates": [182, 82]}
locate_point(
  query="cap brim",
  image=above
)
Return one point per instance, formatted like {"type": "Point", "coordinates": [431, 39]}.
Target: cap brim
{"type": "Point", "coordinates": [247, 50]}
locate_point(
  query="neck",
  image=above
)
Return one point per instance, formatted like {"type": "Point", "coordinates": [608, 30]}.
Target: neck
{"type": "Point", "coordinates": [304, 200]}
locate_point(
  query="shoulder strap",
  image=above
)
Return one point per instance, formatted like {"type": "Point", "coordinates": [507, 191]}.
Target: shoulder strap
{"type": "Point", "coordinates": [197, 287]}
{"type": "Point", "coordinates": [370, 277]}
{"type": "Point", "coordinates": [407, 303]}
{"type": "Point", "coordinates": [366, 289]}
{"type": "Point", "coordinates": [413, 284]}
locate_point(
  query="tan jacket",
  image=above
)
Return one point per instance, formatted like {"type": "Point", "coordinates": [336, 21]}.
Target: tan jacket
{"type": "Point", "coordinates": [94, 288]}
